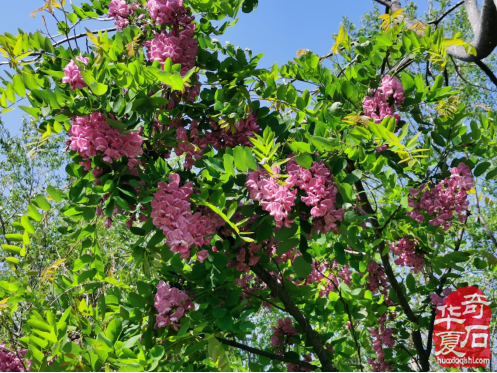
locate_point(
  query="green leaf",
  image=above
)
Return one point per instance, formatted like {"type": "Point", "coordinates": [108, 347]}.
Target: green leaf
{"type": "Point", "coordinates": [304, 160]}
{"type": "Point", "coordinates": [228, 164]}
{"type": "Point", "coordinates": [122, 203]}
{"type": "Point", "coordinates": [481, 168]}
{"type": "Point", "coordinates": [19, 86]}
{"type": "Point", "coordinates": [287, 245]}
{"type": "Point", "coordinates": [16, 237]}
{"type": "Point", "coordinates": [27, 224]}
{"type": "Point", "coordinates": [54, 194]}
{"type": "Point", "coordinates": [411, 283]}
{"type": "Point", "coordinates": [33, 212]}
{"type": "Point", "coordinates": [98, 89]}
{"type": "Point", "coordinates": [114, 330]}
{"type": "Point", "coordinates": [286, 232]}
{"type": "Point", "coordinates": [301, 267]}
{"type": "Point", "coordinates": [491, 174]}
{"type": "Point", "coordinates": [43, 203]}
{"type": "Point", "coordinates": [251, 162]}
{"type": "Point", "coordinates": [240, 159]}
{"type": "Point", "coordinates": [11, 249]}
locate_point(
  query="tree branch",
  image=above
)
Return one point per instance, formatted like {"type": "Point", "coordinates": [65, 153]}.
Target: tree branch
{"type": "Point", "coordinates": [62, 41]}
{"type": "Point", "coordinates": [446, 13]}
{"type": "Point", "coordinates": [473, 15]}
{"type": "Point", "coordinates": [482, 219]}
{"type": "Point", "coordinates": [265, 354]}
{"type": "Point", "coordinates": [487, 71]}
{"type": "Point", "coordinates": [311, 336]}
{"type": "Point", "coordinates": [385, 258]}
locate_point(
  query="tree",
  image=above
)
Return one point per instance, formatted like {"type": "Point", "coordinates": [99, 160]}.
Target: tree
{"type": "Point", "coordinates": [314, 216]}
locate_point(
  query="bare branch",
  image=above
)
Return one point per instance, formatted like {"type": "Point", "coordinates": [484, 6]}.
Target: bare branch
{"type": "Point", "coordinates": [487, 71]}
{"type": "Point", "coordinates": [312, 337]}
{"type": "Point", "coordinates": [446, 13]}
{"type": "Point", "coordinates": [383, 2]}
{"type": "Point", "coordinates": [473, 14]}
{"type": "Point", "coordinates": [264, 353]}
{"type": "Point", "coordinates": [485, 39]}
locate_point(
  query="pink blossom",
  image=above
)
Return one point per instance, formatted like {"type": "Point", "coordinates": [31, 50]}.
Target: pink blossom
{"type": "Point", "coordinates": [298, 368]}
{"type": "Point", "coordinates": [118, 8]}
{"type": "Point", "coordinates": [381, 336]}
{"type": "Point", "coordinates": [447, 199]}
{"type": "Point", "coordinates": [91, 135]}
{"type": "Point", "coordinates": [10, 362]}
{"type": "Point", "coordinates": [377, 279]}
{"type": "Point", "coordinates": [389, 94]}
{"type": "Point", "coordinates": [329, 275]}
{"type": "Point", "coordinates": [165, 12]}
{"type": "Point", "coordinates": [171, 305]}
{"type": "Point", "coordinates": [238, 134]}
{"type": "Point", "coordinates": [281, 332]}
{"type": "Point", "coordinates": [72, 74]}
{"type": "Point", "coordinates": [181, 48]}
{"type": "Point", "coordinates": [406, 254]}
{"type": "Point", "coordinates": [275, 196]}
{"type": "Point", "coordinates": [321, 193]}
{"type": "Point", "coordinates": [172, 213]}
{"type": "Point", "coordinates": [202, 255]}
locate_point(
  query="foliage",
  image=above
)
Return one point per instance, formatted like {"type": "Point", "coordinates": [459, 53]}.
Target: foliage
{"type": "Point", "coordinates": [290, 199]}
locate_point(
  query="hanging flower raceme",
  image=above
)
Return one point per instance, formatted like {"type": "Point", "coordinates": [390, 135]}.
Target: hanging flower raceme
{"type": "Point", "coordinates": [171, 304]}
{"type": "Point", "coordinates": [321, 192]}
{"type": "Point", "coordinates": [382, 336]}
{"type": "Point", "coordinates": [446, 199]}
{"type": "Point", "coordinates": [274, 194]}
{"type": "Point", "coordinates": [180, 47]}
{"type": "Point", "coordinates": [238, 134]}
{"type": "Point", "coordinates": [91, 135]}
{"type": "Point", "coordinates": [330, 275]}
{"type": "Point", "coordinates": [406, 254]}
{"type": "Point", "coordinates": [121, 11]}
{"type": "Point", "coordinates": [72, 73]}
{"type": "Point", "coordinates": [10, 362]}
{"type": "Point", "coordinates": [377, 280]}
{"type": "Point", "coordinates": [438, 301]}
{"type": "Point", "coordinates": [390, 94]}
{"type": "Point", "coordinates": [172, 213]}
{"type": "Point", "coordinates": [281, 332]}
{"type": "Point", "coordinates": [167, 12]}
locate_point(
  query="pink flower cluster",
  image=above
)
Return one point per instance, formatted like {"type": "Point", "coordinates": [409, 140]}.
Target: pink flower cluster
{"type": "Point", "coordinates": [167, 12]}
{"type": "Point", "coordinates": [246, 257]}
{"type": "Point", "coordinates": [278, 197]}
{"type": "Point", "coordinates": [121, 11]}
{"type": "Point", "coordinates": [172, 212]}
{"type": "Point", "coordinates": [91, 135]}
{"type": "Point", "coordinates": [72, 73]}
{"type": "Point", "coordinates": [189, 144]}
{"type": "Point", "coordinates": [406, 254]}
{"type": "Point", "coordinates": [321, 193]}
{"type": "Point", "coordinates": [330, 275]}
{"type": "Point", "coordinates": [9, 362]}
{"type": "Point", "coordinates": [381, 336]}
{"type": "Point", "coordinates": [389, 94]}
{"type": "Point", "coordinates": [441, 201]}
{"type": "Point", "coordinates": [171, 304]}
{"type": "Point", "coordinates": [274, 194]}
{"type": "Point", "coordinates": [239, 134]}
{"type": "Point", "coordinates": [437, 300]}
{"type": "Point", "coordinates": [281, 332]}
{"type": "Point", "coordinates": [377, 280]}
{"type": "Point", "coordinates": [180, 46]}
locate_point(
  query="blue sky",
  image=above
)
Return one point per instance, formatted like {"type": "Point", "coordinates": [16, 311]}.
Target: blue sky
{"type": "Point", "coordinates": [277, 28]}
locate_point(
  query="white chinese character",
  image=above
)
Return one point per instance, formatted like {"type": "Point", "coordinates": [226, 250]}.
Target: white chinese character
{"type": "Point", "coordinates": [469, 328]}
{"type": "Point", "coordinates": [449, 342]}
{"type": "Point", "coordinates": [473, 302]}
